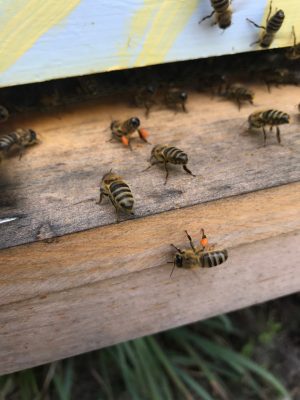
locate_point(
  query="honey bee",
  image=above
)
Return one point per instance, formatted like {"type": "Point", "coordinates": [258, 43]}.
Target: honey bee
{"type": "Point", "coordinates": [4, 114]}
{"type": "Point", "coordinates": [273, 25]}
{"type": "Point", "coordinates": [239, 94]}
{"type": "Point", "coordinates": [198, 256]}
{"type": "Point", "coordinates": [20, 138]}
{"type": "Point", "coordinates": [260, 119]}
{"type": "Point", "coordinates": [175, 97]}
{"type": "Point", "coordinates": [164, 154]}
{"type": "Point", "coordinates": [118, 191]}
{"type": "Point", "coordinates": [145, 98]}
{"type": "Point", "coordinates": [293, 53]}
{"type": "Point", "coordinates": [223, 11]}
{"type": "Point", "coordinates": [122, 131]}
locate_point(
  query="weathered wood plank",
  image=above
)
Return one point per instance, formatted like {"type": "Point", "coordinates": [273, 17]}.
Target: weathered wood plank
{"type": "Point", "coordinates": [52, 191]}
{"type": "Point", "coordinates": [88, 285]}
{"type": "Point", "coordinates": [53, 39]}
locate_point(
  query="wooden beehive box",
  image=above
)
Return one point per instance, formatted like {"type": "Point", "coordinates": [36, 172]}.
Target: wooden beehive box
{"type": "Point", "coordinates": [73, 280]}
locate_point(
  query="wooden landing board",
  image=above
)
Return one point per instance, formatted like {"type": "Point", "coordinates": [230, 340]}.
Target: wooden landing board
{"type": "Point", "coordinates": [45, 40]}
{"type": "Point", "coordinates": [52, 191]}
{"type": "Point", "coordinates": [96, 288]}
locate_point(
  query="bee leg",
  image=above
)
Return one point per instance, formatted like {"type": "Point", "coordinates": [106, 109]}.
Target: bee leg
{"type": "Point", "coordinates": [265, 136]}
{"type": "Point", "coordinates": [207, 17]}
{"type": "Point", "coordinates": [167, 173]}
{"type": "Point", "coordinates": [151, 165]}
{"type": "Point", "coordinates": [187, 170]}
{"type": "Point", "coordinates": [191, 242]}
{"type": "Point", "coordinates": [257, 26]}
{"type": "Point", "coordinates": [184, 108]}
{"type": "Point", "coordinates": [174, 265]}
{"type": "Point", "coordinates": [270, 10]}
{"type": "Point", "coordinates": [278, 134]}
{"type": "Point", "coordinates": [21, 152]}
{"type": "Point", "coordinates": [102, 193]}
{"type": "Point", "coordinates": [239, 104]}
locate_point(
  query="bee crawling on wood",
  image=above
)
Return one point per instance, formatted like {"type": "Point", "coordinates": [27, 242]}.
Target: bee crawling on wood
{"type": "Point", "coordinates": [117, 190]}
{"type": "Point", "coordinates": [273, 25]}
{"type": "Point", "coordinates": [145, 98]}
{"type": "Point", "coordinates": [4, 114]}
{"type": "Point", "coordinates": [164, 154]}
{"type": "Point", "coordinates": [260, 119]}
{"type": "Point", "coordinates": [174, 97]}
{"type": "Point", "coordinates": [223, 11]}
{"type": "Point", "coordinates": [20, 138]}
{"type": "Point", "coordinates": [293, 53]}
{"type": "Point", "coordinates": [122, 131]}
{"type": "Point", "coordinates": [198, 256]}
{"type": "Point", "coordinates": [239, 94]}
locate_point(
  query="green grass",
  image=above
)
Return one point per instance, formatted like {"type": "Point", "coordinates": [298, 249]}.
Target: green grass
{"type": "Point", "coordinates": [194, 362]}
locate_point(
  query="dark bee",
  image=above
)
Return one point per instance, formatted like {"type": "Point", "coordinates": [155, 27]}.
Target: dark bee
{"type": "Point", "coordinates": [164, 154]}
{"type": "Point", "coordinates": [119, 193]}
{"type": "Point", "coordinates": [20, 138]}
{"type": "Point", "coordinates": [293, 53]}
{"type": "Point", "coordinates": [260, 119]}
{"type": "Point", "coordinates": [174, 97]}
{"type": "Point", "coordinates": [145, 98]}
{"type": "Point", "coordinates": [122, 131]}
{"type": "Point", "coordinates": [223, 12]}
{"type": "Point", "coordinates": [198, 256]}
{"type": "Point", "coordinates": [4, 114]}
{"type": "Point", "coordinates": [273, 25]}
{"type": "Point", "coordinates": [239, 94]}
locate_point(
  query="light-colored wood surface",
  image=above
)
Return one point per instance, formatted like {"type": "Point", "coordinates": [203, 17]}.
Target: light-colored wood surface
{"type": "Point", "coordinates": [53, 190]}
{"type": "Point", "coordinates": [43, 40]}
{"type": "Point", "coordinates": [110, 284]}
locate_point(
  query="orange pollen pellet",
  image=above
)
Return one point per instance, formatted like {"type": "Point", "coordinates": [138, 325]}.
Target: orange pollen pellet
{"type": "Point", "coordinates": [204, 242]}
{"type": "Point", "coordinates": [125, 141]}
{"type": "Point", "coordinates": [143, 133]}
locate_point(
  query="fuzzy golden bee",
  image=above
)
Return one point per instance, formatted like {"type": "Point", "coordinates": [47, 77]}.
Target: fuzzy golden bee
{"type": "Point", "coordinates": [145, 97]}
{"type": "Point", "coordinates": [4, 114]}
{"type": "Point", "coordinates": [119, 193]}
{"type": "Point", "coordinates": [273, 25]}
{"type": "Point", "coordinates": [260, 119]}
{"type": "Point", "coordinates": [223, 11]}
{"type": "Point", "coordinates": [293, 53]}
{"type": "Point", "coordinates": [175, 98]}
{"type": "Point", "coordinates": [20, 138]}
{"type": "Point", "coordinates": [239, 94]}
{"type": "Point", "coordinates": [164, 154]}
{"type": "Point", "coordinates": [122, 131]}
{"type": "Point", "coordinates": [198, 256]}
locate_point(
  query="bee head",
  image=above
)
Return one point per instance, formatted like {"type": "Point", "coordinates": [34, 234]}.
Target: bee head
{"type": "Point", "coordinates": [178, 260]}
{"type": "Point", "coordinates": [280, 14]}
{"type": "Point", "coordinates": [286, 118]}
{"type": "Point", "coordinates": [135, 122]}
{"type": "Point", "coordinates": [183, 96]}
{"type": "Point", "coordinates": [32, 136]}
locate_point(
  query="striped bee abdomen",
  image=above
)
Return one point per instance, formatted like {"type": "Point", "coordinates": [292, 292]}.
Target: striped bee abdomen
{"type": "Point", "coordinates": [9, 140]}
{"type": "Point", "coordinates": [213, 258]}
{"type": "Point", "coordinates": [121, 195]}
{"type": "Point", "coordinates": [275, 22]}
{"type": "Point", "coordinates": [175, 156]}
{"type": "Point", "coordinates": [220, 5]}
{"type": "Point", "coordinates": [275, 117]}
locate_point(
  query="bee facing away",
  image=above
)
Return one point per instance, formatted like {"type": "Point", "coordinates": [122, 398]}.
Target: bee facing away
{"type": "Point", "coordinates": [198, 256]}
{"type": "Point", "coordinates": [20, 138]}
{"type": "Point", "coordinates": [117, 190]}
{"type": "Point", "coordinates": [238, 94]}
{"type": "Point", "coordinates": [122, 131]}
{"type": "Point", "coordinates": [293, 53]}
{"type": "Point", "coordinates": [260, 119]}
{"type": "Point", "coordinates": [164, 154]}
{"type": "Point", "coordinates": [145, 98]}
{"type": "Point", "coordinates": [273, 25]}
{"type": "Point", "coordinates": [223, 11]}
{"type": "Point", "coordinates": [4, 114]}
{"type": "Point", "coordinates": [174, 97]}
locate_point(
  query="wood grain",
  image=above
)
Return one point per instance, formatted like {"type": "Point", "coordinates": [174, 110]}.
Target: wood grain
{"type": "Point", "coordinates": [52, 191]}
{"type": "Point", "coordinates": [95, 288]}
